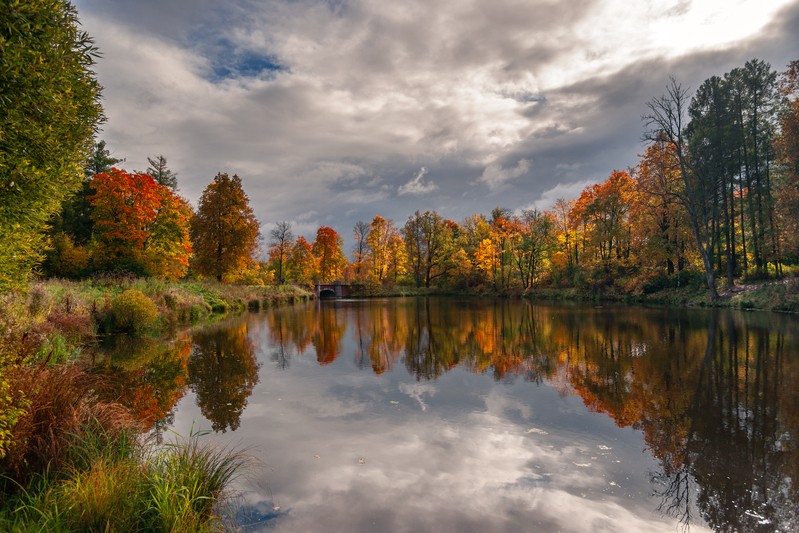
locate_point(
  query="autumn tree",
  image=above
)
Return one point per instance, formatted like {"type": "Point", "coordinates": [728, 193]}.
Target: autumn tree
{"type": "Point", "coordinates": [301, 264]}
{"type": "Point", "coordinates": [123, 208]}
{"type": "Point", "coordinates": [660, 226]}
{"type": "Point", "coordinates": [505, 235]}
{"type": "Point", "coordinates": [604, 209]}
{"type": "Point", "coordinates": [168, 246]}
{"type": "Point", "coordinates": [384, 249]}
{"type": "Point", "coordinates": [139, 225]}
{"type": "Point", "coordinates": [787, 145]}
{"type": "Point", "coordinates": [430, 246]}
{"type": "Point", "coordinates": [397, 257]}
{"type": "Point", "coordinates": [281, 240]}
{"type": "Point", "coordinates": [224, 230]}
{"type": "Point", "coordinates": [360, 250]}
{"type": "Point", "coordinates": [537, 242]}
{"type": "Point", "coordinates": [161, 173]}
{"type": "Point", "coordinates": [666, 121]}
{"type": "Point", "coordinates": [566, 231]}
{"type": "Point", "coordinates": [49, 112]}
{"type": "Point", "coordinates": [330, 258]}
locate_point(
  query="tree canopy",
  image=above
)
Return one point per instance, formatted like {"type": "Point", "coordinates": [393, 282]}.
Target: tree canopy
{"type": "Point", "coordinates": [224, 230]}
{"type": "Point", "coordinates": [49, 112]}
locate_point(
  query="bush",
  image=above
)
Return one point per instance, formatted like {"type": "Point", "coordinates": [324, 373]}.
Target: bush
{"type": "Point", "coordinates": [684, 278]}
{"type": "Point", "coordinates": [133, 311]}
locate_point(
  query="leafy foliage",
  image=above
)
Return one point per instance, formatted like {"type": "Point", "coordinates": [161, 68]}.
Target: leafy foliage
{"type": "Point", "coordinates": [133, 311]}
{"type": "Point", "coordinates": [330, 258]}
{"type": "Point", "coordinates": [49, 111]}
{"type": "Point", "coordinates": [224, 230]}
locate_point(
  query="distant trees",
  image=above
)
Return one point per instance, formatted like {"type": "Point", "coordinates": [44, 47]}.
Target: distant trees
{"type": "Point", "coordinates": [281, 239]}
{"type": "Point", "coordinates": [224, 230]}
{"type": "Point", "coordinates": [329, 257]}
{"type": "Point", "coordinates": [429, 246]}
{"type": "Point", "coordinates": [301, 263]}
{"type": "Point", "coordinates": [714, 192]}
{"type": "Point", "coordinates": [49, 111]}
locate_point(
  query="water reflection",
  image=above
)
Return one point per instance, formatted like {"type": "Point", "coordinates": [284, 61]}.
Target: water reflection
{"type": "Point", "coordinates": [146, 375]}
{"type": "Point", "coordinates": [709, 393]}
{"type": "Point", "coordinates": [222, 373]}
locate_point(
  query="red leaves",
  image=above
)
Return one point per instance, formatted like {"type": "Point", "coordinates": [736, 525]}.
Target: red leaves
{"type": "Point", "coordinates": [139, 225]}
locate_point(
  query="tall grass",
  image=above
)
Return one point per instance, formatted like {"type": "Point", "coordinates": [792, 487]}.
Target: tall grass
{"type": "Point", "coordinates": [126, 485]}
{"type": "Point", "coordinates": [78, 464]}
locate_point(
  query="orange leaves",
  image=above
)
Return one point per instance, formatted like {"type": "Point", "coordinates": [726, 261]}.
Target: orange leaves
{"type": "Point", "coordinates": [139, 225]}
{"type": "Point", "coordinates": [123, 207]}
{"type": "Point", "coordinates": [328, 253]}
{"type": "Point", "coordinates": [301, 262]}
{"type": "Point", "coordinates": [224, 231]}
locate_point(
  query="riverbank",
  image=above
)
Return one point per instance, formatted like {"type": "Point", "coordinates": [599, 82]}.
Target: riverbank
{"type": "Point", "coordinates": [73, 458]}
{"type": "Point", "coordinates": [778, 295]}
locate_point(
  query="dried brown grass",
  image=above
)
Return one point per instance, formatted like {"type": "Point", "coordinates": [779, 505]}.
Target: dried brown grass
{"type": "Point", "coordinates": [59, 402]}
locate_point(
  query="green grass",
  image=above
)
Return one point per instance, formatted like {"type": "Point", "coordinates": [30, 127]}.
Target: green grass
{"type": "Point", "coordinates": [112, 482]}
{"type": "Point", "coordinates": [69, 462]}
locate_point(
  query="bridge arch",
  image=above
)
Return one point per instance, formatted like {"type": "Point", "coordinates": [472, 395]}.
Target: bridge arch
{"type": "Point", "coordinates": [327, 294]}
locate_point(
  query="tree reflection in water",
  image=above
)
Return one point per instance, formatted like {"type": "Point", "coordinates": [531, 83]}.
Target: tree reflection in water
{"type": "Point", "coordinates": [711, 391]}
{"type": "Point", "coordinates": [146, 375]}
{"type": "Point", "coordinates": [222, 373]}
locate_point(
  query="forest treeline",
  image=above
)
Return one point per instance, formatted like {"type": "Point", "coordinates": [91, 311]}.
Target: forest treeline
{"type": "Point", "coordinates": [714, 195]}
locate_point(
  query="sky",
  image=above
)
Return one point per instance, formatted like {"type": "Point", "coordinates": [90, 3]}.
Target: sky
{"type": "Point", "coordinates": [334, 111]}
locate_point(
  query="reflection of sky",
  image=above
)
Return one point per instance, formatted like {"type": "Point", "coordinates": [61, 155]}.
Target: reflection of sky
{"type": "Point", "coordinates": [346, 450]}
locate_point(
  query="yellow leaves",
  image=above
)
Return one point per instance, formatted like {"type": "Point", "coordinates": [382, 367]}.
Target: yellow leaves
{"type": "Point", "coordinates": [485, 258]}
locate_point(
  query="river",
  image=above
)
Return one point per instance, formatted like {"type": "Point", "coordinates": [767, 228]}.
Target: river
{"type": "Point", "coordinates": [488, 415]}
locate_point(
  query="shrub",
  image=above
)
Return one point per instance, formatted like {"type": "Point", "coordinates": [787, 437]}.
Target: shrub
{"type": "Point", "coordinates": [684, 278]}
{"type": "Point", "coordinates": [133, 311]}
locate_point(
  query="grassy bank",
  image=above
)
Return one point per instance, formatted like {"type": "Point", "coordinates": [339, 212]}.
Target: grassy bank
{"type": "Point", "coordinates": [779, 295]}
{"type": "Point", "coordinates": [74, 460]}
{"type": "Point", "coordinates": [56, 319]}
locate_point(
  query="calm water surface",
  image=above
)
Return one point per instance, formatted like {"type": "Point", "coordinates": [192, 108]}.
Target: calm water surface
{"type": "Point", "coordinates": [449, 415]}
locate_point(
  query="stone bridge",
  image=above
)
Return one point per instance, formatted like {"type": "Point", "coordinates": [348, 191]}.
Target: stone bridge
{"type": "Point", "coordinates": [327, 291]}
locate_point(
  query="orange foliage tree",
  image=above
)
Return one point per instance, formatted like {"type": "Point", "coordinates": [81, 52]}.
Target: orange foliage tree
{"type": "Point", "coordinates": [139, 225]}
{"type": "Point", "coordinates": [224, 231]}
{"type": "Point", "coordinates": [123, 208]}
{"type": "Point", "coordinates": [661, 229]}
{"type": "Point", "coordinates": [301, 264]}
{"type": "Point", "coordinates": [330, 258]}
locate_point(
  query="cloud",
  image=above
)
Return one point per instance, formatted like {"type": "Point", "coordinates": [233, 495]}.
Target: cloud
{"type": "Point", "coordinates": [416, 186]}
{"type": "Point", "coordinates": [496, 177]}
{"type": "Point", "coordinates": [567, 191]}
{"type": "Point", "coordinates": [319, 104]}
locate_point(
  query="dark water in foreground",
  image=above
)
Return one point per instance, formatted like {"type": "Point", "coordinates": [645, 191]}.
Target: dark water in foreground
{"type": "Point", "coordinates": [449, 415]}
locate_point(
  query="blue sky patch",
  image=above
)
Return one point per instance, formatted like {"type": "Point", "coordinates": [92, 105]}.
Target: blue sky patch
{"type": "Point", "coordinates": [245, 64]}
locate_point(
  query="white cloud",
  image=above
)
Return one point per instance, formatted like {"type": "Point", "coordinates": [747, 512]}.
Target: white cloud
{"type": "Point", "coordinates": [496, 177]}
{"type": "Point", "coordinates": [416, 186]}
{"type": "Point", "coordinates": [567, 191]}
{"type": "Point", "coordinates": [364, 93]}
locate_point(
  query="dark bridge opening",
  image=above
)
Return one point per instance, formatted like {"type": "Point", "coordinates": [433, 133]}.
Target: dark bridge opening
{"type": "Point", "coordinates": [327, 294]}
